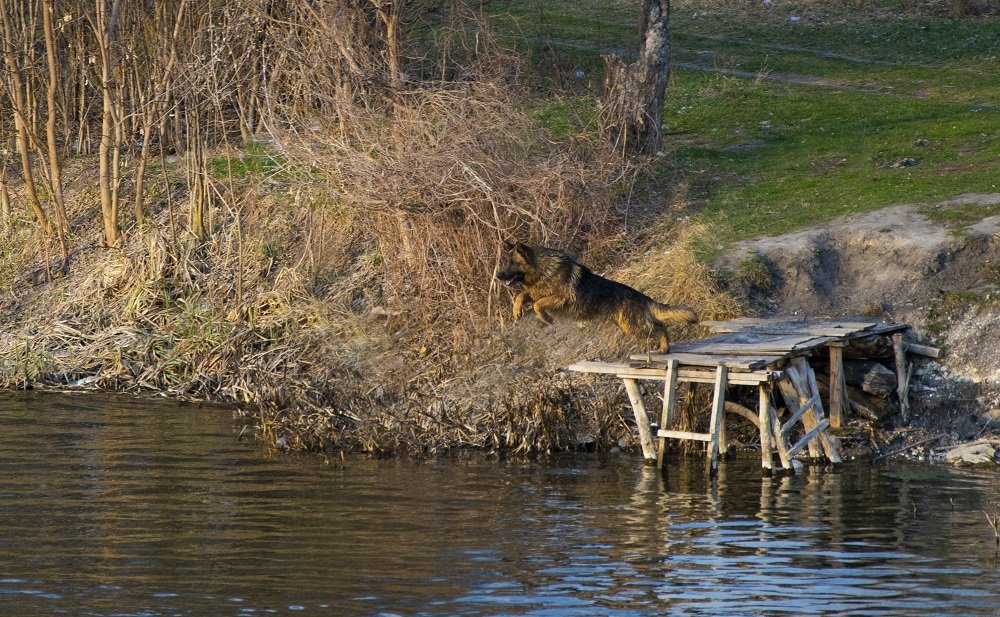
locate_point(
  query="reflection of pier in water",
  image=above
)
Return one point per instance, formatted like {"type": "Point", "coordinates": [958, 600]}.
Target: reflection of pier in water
{"type": "Point", "coordinates": [770, 355]}
{"type": "Point", "coordinates": [817, 542]}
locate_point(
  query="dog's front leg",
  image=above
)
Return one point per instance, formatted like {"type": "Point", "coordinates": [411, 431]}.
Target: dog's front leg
{"type": "Point", "coordinates": [519, 304]}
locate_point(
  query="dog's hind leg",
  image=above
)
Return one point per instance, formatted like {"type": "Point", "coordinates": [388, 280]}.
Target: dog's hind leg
{"type": "Point", "coordinates": [664, 343]}
{"type": "Point", "coordinates": [542, 306]}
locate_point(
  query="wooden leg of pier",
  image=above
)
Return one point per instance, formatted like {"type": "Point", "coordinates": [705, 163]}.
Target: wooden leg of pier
{"type": "Point", "coordinates": [839, 401]}
{"type": "Point", "coordinates": [826, 441]}
{"type": "Point", "coordinates": [780, 443]}
{"type": "Point", "coordinates": [902, 376]}
{"type": "Point", "coordinates": [793, 390]}
{"type": "Point", "coordinates": [667, 417]}
{"type": "Point", "coordinates": [764, 417]}
{"type": "Point", "coordinates": [803, 401]}
{"type": "Point", "coordinates": [641, 419]}
{"type": "Point", "coordinates": [718, 413]}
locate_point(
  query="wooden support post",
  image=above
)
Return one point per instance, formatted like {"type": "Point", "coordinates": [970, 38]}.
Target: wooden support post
{"type": "Point", "coordinates": [718, 411]}
{"type": "Point", "coordinates": [802, 398]}
{"type": "Point", "coordinates": [793, 390]}
{"type": "Point", "coordinates": [641, 419]}
{"type": "Point", "coordinates": [723, 435]}
{"type": "Point", "coordinates": [764, 415]}
{"type": "Point", "coordinates": [816, 431]}
{"type": "Point", "coordinates": [779, 437]}
{"type": "Point", "coordinates": [828, 443]}
{"type": "Point", "coordinates": [795, 417]}
{"type": "Point", "coordinates": [902, 376]}
{"type": "Point", "coordinates": [669, 400]}
{"type": "Point", "coordinates": [839, 401]}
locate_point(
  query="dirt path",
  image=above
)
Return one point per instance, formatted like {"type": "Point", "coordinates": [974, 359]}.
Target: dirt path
{"type": "Point", "coordinates": [779, 77]}
{"type": "Point", "coordinates": [822, 53]}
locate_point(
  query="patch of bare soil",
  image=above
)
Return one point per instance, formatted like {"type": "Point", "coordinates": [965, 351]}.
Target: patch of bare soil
{"type": "Point", "coordinates": [906, 264]}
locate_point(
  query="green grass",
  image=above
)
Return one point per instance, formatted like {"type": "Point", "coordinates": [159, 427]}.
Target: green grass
{"type": "Point", "coordinates": [900, 110]}
{"type": "Point", "coordinates": [960, 215]}
{"type": "Point", "coordinates": [772, 157]}
{"type": "Point", "coordinates": [253, 160]}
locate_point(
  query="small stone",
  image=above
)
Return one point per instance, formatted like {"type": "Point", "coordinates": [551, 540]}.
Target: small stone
{"type": "Point", "coordinates": [976, 453]}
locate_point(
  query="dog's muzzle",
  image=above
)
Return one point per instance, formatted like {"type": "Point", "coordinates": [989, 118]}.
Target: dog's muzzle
{"type": "Point", "coordinates": [511, 277]}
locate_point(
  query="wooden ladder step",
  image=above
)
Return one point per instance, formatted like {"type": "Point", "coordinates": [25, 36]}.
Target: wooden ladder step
{"type": "Point", "coordinates": [807, 406]}
{"type": "Point", "coordinates": [671, 434]}
{"type": "Point", "coordinates": [808, 437]}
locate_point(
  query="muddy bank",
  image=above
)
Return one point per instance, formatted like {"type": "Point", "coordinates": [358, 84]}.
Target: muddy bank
{"type": "Point", "coordinates": [934, 267]}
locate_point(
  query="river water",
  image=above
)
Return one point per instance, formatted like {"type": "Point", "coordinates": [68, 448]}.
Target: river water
{"type": "Point", "coordinates": [112, 506]}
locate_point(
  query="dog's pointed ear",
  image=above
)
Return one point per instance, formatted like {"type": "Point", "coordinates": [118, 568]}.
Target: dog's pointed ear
{"type": "Point", "coordinates": [508, 245]}
{"type": "Point", "coordinates": [525, 252]}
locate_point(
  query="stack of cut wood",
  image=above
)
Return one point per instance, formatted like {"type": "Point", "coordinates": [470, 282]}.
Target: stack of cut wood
{"type": "Point", "coordinates": [870, 386]}
{"type": "Point", "coordinates": [871, 380]}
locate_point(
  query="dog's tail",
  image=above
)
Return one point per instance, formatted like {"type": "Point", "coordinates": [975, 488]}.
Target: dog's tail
{"type": "Point", "coordinates": [674, 314]}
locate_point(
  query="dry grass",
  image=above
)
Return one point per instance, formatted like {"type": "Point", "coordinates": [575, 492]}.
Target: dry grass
{"type": "Point", "coordinates": [345, 297]}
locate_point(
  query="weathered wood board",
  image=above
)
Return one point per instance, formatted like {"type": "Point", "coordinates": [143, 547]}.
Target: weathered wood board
{"type": "Point", "coordinates": [754, 344]}
{"type": "Point", "coordinates": [753, 352]}
{"type": "Point", "coordinates": [658, 373]}
{"type": "Point", "coordinates": [706, 358]}
{"type": "Point", "coordinates": [821, 327]}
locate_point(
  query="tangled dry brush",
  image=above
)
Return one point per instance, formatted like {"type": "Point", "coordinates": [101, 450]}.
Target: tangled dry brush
{"type": "Point", "coordinates": [343, 295]}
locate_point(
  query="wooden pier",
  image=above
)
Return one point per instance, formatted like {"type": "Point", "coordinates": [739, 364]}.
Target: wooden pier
{"type": "Point", "coordinates": [770, 355]}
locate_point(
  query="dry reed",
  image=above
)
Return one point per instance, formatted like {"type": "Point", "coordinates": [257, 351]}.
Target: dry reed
{"type": "Point", "coordinates": [344, 297]}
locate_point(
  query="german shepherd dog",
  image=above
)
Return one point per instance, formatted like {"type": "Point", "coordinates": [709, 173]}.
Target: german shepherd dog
{"type": "Point", "coordinates": [555, 283]}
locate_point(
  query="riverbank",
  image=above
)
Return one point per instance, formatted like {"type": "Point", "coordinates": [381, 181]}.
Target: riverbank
{"type": "Point", "coordinates": [340, 293]}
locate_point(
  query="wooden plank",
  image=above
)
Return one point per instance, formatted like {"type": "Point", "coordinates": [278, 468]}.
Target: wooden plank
{"type": "Point", "coordinates": [738, 379]}
{"type": "Point", "coordinates": [764, 423]}
{"type": "Point", "coordinates": [590, 366]}
{"type": "Point", "coordinates": [718, 415]}
{"type": "Point", "coordinates": [791, 326]}
{"type": "Point", "coordinates": [783, 341]}
{"type": "Point", "coordinates": [885, 328]}
{"type": "Point", "coordinates": [838, 387]}
{"type": "Point", "coordinates": [795, 417]}
{"type": "Point", "coordinates": [923, 350]}
{"type": "Point", "coordinates": [781, 346]}
{"type": "Point", "coordinates": [808, 438]}
{"type": "Point", "coordinates": [709, 359]}
{"type": "Point", "coordinates": [828, 443]}
{"type": "Point", "coordinates": [781, 444]}
{"type": "Point", "coordinates": [671, 434]}
{"type": "Point", "coordinates": [669, 401]}
{"type": "Point", "coordinates": [625, 371]}
{"type": "Point", "coordinates": [796, 393]}
{"type": "Point", "coordinates": [641, 419]}
{"type": "Point", "coordinates": [902, 379]}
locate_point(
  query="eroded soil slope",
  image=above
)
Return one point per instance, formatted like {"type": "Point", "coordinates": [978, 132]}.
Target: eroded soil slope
{"type": "Point", "coordinates": [936, 268]}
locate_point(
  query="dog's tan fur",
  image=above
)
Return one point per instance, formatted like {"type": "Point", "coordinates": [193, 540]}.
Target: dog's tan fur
{"type": "Point", "coordinates": [557, 284]}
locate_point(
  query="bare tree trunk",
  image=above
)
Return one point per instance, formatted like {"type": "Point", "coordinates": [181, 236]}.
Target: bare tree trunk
{"type": "Point", "coordinates": [388, 12]}
{"type": "Point", "coordinates": [199, 190]}
{"type": "Point", "coordinates": [4, 195]}
{"type": "Point", "coordinates": [18, 101]}
{"type": "Point", "coordinates": [103, 31]}
{"type": "Point", "coordinates": [634, 93]}
{"type": "Point", "coordinates": [54, 164]}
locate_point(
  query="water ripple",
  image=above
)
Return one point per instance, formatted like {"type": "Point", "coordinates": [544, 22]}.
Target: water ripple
{"type": "Point", "coordinates": [113, 506]}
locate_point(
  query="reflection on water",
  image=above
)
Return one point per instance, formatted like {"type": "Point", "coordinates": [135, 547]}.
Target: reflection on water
{"type": "Point", "coordinates": [110, 506]}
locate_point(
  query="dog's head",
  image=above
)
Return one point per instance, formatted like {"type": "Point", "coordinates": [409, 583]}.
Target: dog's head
{"type": "Point", "coordinates": [519, 262]}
